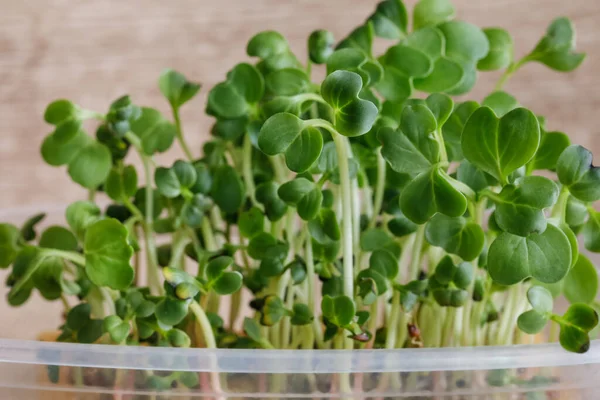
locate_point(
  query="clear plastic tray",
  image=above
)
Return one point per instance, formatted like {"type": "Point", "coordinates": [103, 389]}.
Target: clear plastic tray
{"type": "Point", "coordinates": [43, 370]}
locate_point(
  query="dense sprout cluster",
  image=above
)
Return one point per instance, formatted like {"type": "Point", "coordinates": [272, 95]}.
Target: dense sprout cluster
{"type": "Point", "coordinates": [370, 210]}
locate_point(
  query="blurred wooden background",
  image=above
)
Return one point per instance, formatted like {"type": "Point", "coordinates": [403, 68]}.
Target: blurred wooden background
{"type": "Point", "coordinates": [94, 51]}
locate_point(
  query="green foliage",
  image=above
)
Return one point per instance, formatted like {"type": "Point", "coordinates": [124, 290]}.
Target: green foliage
{"type": "Point", "coordinates": [391, 199]}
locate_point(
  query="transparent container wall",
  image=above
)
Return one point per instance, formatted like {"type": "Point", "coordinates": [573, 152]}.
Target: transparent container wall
{"type": "Point", "coordinates": [35, 370]}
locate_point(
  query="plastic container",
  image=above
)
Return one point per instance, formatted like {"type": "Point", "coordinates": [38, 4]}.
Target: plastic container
{"type": "Point", "coordinates": [42, 370]}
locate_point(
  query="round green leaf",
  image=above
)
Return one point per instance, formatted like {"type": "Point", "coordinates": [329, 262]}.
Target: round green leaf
{"type": "Point", "coordinates": [107, 254]}
{"type": "Point", "coordinates": [264, 246]}
{"type": "Point", "coordinates": [91, 165]}
{"type": "Point", "coordinates": [251, 222]}
{"type": "Point", "coordinates": [409, 61]}
{"type": "Point", "coordinates": [540, 299]}
{"type": "Point", "coordinates": [432, 12]}
{"type": "Point", "coordinates": [121, 183]}
{"type": "Point", "coordinates": [374, 239]}
{"type": "Point", "coordinates": [302, 315]}
{"type": "Point", "coordinates": [56, 153]}
{"type": "Point", "coordinates": [176, 88]}
{"type": "Point", "coordinates": [170, 311]}
{"type": "Point", "coordinates": [431, 192]}
{"type": "Point", "coordinates": [552, 146]}
{"type": "Point", "coordinates": [59, 111]}
{"type": "Point", "coordinates": [390, 19]}
{"type": "Point", "coordinates": [501, 50]}
{"type": "Point", "coordinates": [353, 115]}
{"type": "Point", "coordinates": [80, 215]}
{"type": "Point", "coordinates": [338, 310]}
{"type": "Point", "coordinates": [320, 46]}
{"type": "Point", "coordinates": [236, 97]}
{"type": "Point", "coordinates": [304, 195]}
{"type": "Point", "coordinates": [532, 322]}
{"type": "Point", "coordinates": [385, 263]}
{"type": "Point", "coordinates": [545, 257]}
{"type": "Point", "coordinates": [266, 194]}
{"type": "Point", "coordinates": [228, 283]}
{"type": "Point", "coordinates": [178, 338]}
{"type": "Point", "coordinates": [324, 227]}
{"type": "Point", "coordinates": [581, 283]}
{"type": "Point", "coordinates": [519, 206]}
{"type": "Point", "coordinates": [57, 237]}
{"type": "Point", "coordinates": [156, 133]}
{"type": "Point", "coordinates": [227, 190]}
{"type": "Point", "coordinates": [116, 328]}
{"type": "Point", "coordinates": [575, 171]}
{"type": "Point", "coordinates": [217, 266]}
{"type": "Point", "coordinates": [464, 41]}
{"type": "Point", "coordinates": [489, 142]}
{"type": "Point", "coordinates": [456, 236]}
{"type": "Point", "coordinates": [445, 76]}
{"type": "Point", "coordinates": [453, 128]}
{"type": "Point", "coordinates": [266, 44]}
{"type": "Point", "coordinates": [287, 82]}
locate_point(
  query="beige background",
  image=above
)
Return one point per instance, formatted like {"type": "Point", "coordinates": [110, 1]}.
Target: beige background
{"type": "Point", "coordinates": [94, 51]}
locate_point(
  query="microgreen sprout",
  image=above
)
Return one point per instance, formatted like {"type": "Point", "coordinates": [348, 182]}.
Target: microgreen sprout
{"type": "Point", "coordinates": [372, 209]}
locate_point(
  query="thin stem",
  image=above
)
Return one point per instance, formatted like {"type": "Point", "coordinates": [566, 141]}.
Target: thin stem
{"type": "Point", "coordinates": [347, 241]}
{"type": "Point", "coordinates": [77, 258]}
{"type": "Point", "coordinates": [390, 340]}
{"type": "Point", "coordinates": [210, 242]}
{"type": "Point", "coordinates": [415, 261]}
{"type": "Point", "coordinates": [379, 189]}
{"type": "Point", "coordinates": [179, 133]}
{"type": "Point", "coordinates": [510, 71]}
{"type": "Point", "coordinates": [92, 195]}
{"type": "Point", "coordinates": [559, 210]}
{"type": "Point", "coordinates": [209, 337]}
{"type": "Point", "coordinates": [247, 169]}
{"type": "Point", "coordinates": [440, 139]}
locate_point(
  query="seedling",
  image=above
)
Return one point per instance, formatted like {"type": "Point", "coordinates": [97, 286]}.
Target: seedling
{"type": "Point", "coordinates": [371, 209]}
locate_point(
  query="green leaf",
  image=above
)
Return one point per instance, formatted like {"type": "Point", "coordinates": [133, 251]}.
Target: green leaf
{"type": "Point", "coordinates": [409, 61]}
{"type": "Point", "coordinates": [575, 171]}
{"type": "Point", "coordinates": [501, 103]}
{"type": "Point", "coordinates": [252, 329]}
{"type": "Point", "coordinates": [412, 149]}
{"type": "Point", "coordinates": [401, 226]}
{"type": "Point", "coordinates": [170, 182]}
{"type": "Point", "coordinates": [489, 142]}
{"type": "Point", "coordinates": [320, 46]}
{"type": "Point", "coordinates": [302, 315]}
{"type": "Point", "coordinates": [501, 51]}
{"type": "Point", "coordinates": [116, 328]}
{"type": "Point", "coordinates": [557, 48]}
{"type": "Point", "coordinates": [287, 82]}
{"type": "Point", "coordinates": [575, 325]}
{"type": "Point", "coordinates": [90, 332]}
{"type": "Point", "coordinates": [360, 38]}
{"type": "Point", "coordinates": [520, 206]}
{"type": "Point", "coordinates": [9, 244]}
{"type": "Point", "coordinates": [453, 128]}
{"type": "Point", "coordinates": [228, 283]}
{"type": "Point", "coordinates": [353, 115]}
{"type": "Point", "coordinates": [78, 316]}
{"type": "Point", "coordinates": [576, 213]}
{"type": "Point", "coordinates": [464, 42]}
{"type": "Point", "coordinates": [57, 237]}
{"type": "Point", "coordinates": [356, 60]}
{"type": "Point", "coordinates": [591, 232]}
{"type": "Point", "coordinates": [532, 322]}
{"type": "Point", "coordinates": [431, 192]}
{"type": "Point", "coordinates": [178, 338]}
{"type": "Point", "coordinates": [540, 299]}
{"type": "Point", "coordinates": [61, 110]}
{"type": "Point", "coordinates": [441, 106]}
{"type": "Point", "coordinates": [456, 236]}
{"type": "Point", "coordinates": [303, 194]}
{"type": "Point", "coordinates": [264, 246]}
{"type": "Point", "coordinates": [545, 257]}
{"type": "Point", "coordinates": [473, 177]}
{"type": "Point", "coordinates": [217, 266]}
{"type": "Point", "coordinates": [80, 215]}
{"type": "Point", "coordinates": [552, 145]}
{"type": "Point", "coordinates": [266, 44]}
{"type": "Point", "coordinates": [194, 209]}
{"type": "Point", "coordinates": [121, 183]}
{"type": "Point", "coordinates": [266, 194]}
{"type": "Point", "coordinates": [390, 19]}
{"type": "Point", "coordinates": [28, 232]}
{"type": "Point", "coordinates": [251, 222]}
{"type": "Point", "coordinates": [374, 239]}
{"type": "Point", "coordinates": [446, 75]}
{"type": "Point", "coordinates": [338, 310]}
{"type": "Point", "coordinates": [464, 275]}
{"type": "Point", "coordinates": [91, 165]}
{"type": "Point", "coordinates": [170, 311]}
{"type": "Point", "coordinates": [324, 227]}
{"type": "Point", "coordinates": [67, 131]}
{"type": "Point", "coordinates": [56, 153]}
{"type": "Point", "coordinates": [581, 283]}
{"type": "Point", "coordinates": [271, 267]}
{"type": "Point", "coordinates": [272, 311]}
{"type": "Point", "coordinates": [385, 263]}
{"type": "Point", "coordinates": [107, 254]}
{"type": "Point", "coordinates": [176, 88]}
{"type": "Point", "coordinates": [285, 133]}
{"type": "Point", "coordinates": [237, 96]}
{"type": "Point", "coordinates": [155, 132]}
{"type": "Point", "coordinates": [432, 12]}
{"type": "Point", "coordinates": [227, 190]}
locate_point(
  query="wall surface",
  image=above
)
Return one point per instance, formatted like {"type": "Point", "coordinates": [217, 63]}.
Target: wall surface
{"type": "Point", "coordinates": [94, 51]}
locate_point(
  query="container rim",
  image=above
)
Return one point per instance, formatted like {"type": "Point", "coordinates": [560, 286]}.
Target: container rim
{"type": "Point", "coordinates": [292, 361]}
